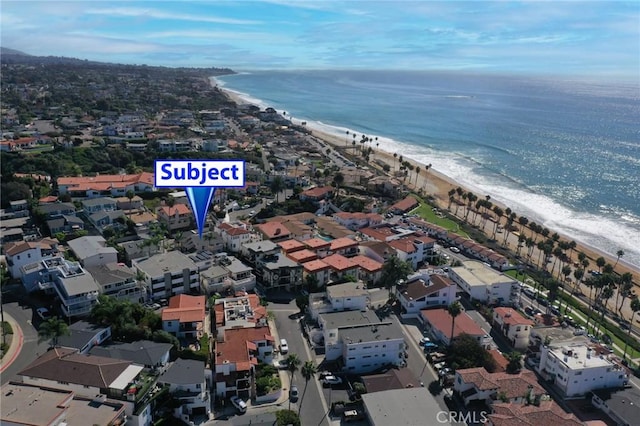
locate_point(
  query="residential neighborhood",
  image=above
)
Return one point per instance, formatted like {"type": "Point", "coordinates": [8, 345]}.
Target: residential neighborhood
{"type": "Point", "coordinates": [381, 307]}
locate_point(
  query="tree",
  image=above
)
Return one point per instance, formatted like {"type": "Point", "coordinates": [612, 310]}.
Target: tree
{"type": "Point", "coordinates": [619, 253]}
{"type": "Point", "coordinates": [625, 288]}
{"type": "Point", "coordinates": [454, 310]}
{"type": "Point", "coordinates": [635, 307]}
{"type": "Point", "coordinates": [466, 352]}
{"type": "Point", "coordinates": [277, 185]}
{"type": "Point", "coordinates": [515, 362]}
{"type": "Point", "coordinates": [52, 329]}
{"type": "Point", "coordinates": [287, 418]}
{"type": "Point", "coordinates": [393, 271]}
{"type": "Point", "coordinates": [308, 371]}
{"type": "Point", "coordinates": [338, 180]}
{"type": "Point", "coordinates": [605, 295]}
{"type": "Point", "coordinates": [600, 262]}
{"type": "Point", "coordinates": [130, 194]}
{"type": "Point", "coordinates": [293, 363]}
{"type": "Point", "coordinates": [302, 302]}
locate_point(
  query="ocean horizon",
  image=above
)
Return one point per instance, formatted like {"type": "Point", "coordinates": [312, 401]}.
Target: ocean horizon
{"type": "Point", "coordinates": [563, 152]}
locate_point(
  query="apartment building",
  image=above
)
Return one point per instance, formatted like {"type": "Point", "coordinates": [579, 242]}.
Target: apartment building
{"type": "Point", "coordinates": [485, 284]}
{"type": "Point", "coordinates": [169, 274]}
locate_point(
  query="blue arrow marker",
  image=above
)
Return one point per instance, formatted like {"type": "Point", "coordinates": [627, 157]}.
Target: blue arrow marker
{"type": "Point", "coordinates": [200, 198]}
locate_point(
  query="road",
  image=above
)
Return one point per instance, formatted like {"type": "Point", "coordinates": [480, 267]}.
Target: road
{"type": "Point", "coordinates": [31, 348]}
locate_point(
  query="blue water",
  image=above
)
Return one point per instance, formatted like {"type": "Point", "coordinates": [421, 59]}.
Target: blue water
{"type": "Point", "coordinates": [564, 153]}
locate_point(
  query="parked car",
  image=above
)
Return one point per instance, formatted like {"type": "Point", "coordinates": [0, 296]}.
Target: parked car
{"type": "Point", "coordinates": [43, 313]}
{"type": "Point", "coordinates": [454, 249]}
{"type": "Point", "coordinates": [580, 331]}
{"type": "Point", "coordinates": [293, 394]}
{"type": "Point", "coordinates": [331, 380]}
{"type": "Point", "coordinates": [240, 405]}
{"type": "Point", "coordinates": [284, 347]}
{"type": "Point", "coordinates": [424, 340]}
{"type": "Point", "coordinates": [429, 347]}
{"type": "Point", "coordinates": [352, 416]}
{"type": "Point", "coordinates": [283, 364]}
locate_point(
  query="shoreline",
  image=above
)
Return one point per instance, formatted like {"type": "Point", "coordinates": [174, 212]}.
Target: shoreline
{"type": "Point", "coordinates": [438, 184]}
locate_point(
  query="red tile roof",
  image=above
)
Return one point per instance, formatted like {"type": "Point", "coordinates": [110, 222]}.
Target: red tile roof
{"type": "Point", "coordinates": [367, 263]}
{"type": "Point", "coordinates": [176, 209]}
{"type": "Point", "coordinates": [234, 347]}
{"type": "Point", "coordinates": [291, 245]}
{"type": "Point", "coordinates": [273, 230]}
{"type": "Point", "coordinates": [17, 247]}
{"type": "Point", "coordinates": [404, 244]}
{"type": "Point", "coordinates": [317, 243]}
{"type": "Point", "coordinates": [185, 308]}
{"type": "Point", "coordinates": [315, 266]}
{"type": "Point", "coordinates": [319, 192]}
{"type": "Point", "coordinates": [302, 256]}
{"type": "Point", "coordinates": [441, 320]}
{"type": "Point", "coordinates": [512, 385]}
{"type": "Point", "coordinates": [511, 316]}
{"type": "Point", "coordinates": [547, 413]}
{"type": "Point", "coordinates": [405, 205]}
{"type": "Point", "coordinates": [232, 230]}
{"type": "Point", "coordinates": [342, 243]}
{"type": "Point", "coordinates": [339, 262]}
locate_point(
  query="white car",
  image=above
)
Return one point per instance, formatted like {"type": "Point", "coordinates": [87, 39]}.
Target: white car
{"type": "Point", "coordinates": [240, 405]}
{"type": "Point", "coordinates": [284, 347]}
{"type": "Point", "coordinates": [43, 313]}
{"type": "Point", "coordinates": [331, 380]}
{"type": "Point", "coordinates": [424, 340]}
{"type": "Point", "coordinates": [454, 249]}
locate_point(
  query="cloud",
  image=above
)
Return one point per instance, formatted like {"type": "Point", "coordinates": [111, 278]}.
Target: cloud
{"type": "Point", "coordinates": [136, 12]}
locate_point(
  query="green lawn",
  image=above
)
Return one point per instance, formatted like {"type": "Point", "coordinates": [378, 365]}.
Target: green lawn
{"type": "Point", "coordinates": [424, 210]}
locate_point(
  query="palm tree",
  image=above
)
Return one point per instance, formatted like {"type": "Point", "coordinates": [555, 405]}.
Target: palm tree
{"type": "Point", "coordinates": [395, 155]}
{"type": "Point", "coordinates": [619, 253]}
{"type": "Point", "coordinates": [600, 262]}
{"type": "Point", "coordinates": [394, 270]}
{"type": "Point", "coordinates": [293, 363]}
{"type": "Point", "coordinates": [625, 288]}
{"type": "Point", "coordinates": [635, 307]}
{"type": "Point", "coordinates": [451, 194]}
{"type": "Point", "coordinates": [605, 295]}
{"type": "Point", "coordinates": [338, 180]}
{"type": "Point", "coordinates": [308, 371]}
{"type": "Point", "coordinates": [52, 329]}
{"type": "Point", "coordinates": [454, 310]}
{"type": "Point", "coordinates": [277, 185]}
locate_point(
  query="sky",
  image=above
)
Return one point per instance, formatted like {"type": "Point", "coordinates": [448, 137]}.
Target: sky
{"type": "Point", "coordinates": [541, 37]}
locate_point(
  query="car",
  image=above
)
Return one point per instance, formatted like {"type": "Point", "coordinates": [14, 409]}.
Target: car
{"type": "Point", "coordinates": [163, 302]}
{"type": "Point", "coordinates": [454, 249]}
{"type": "Point", "coordinates": [424, 340]}
{"type": "Point", "coordinates": [429, 347]}
{"type": "Point", "coordinates": [445, 371]}
{"type": "Point", "coordinates": [252, 213]}
{"type": "Point", "coordinates": [580, 331]}
{"type": "Point", "coordinates": [284, 347]}
{"type": "Point", "coordinates": [331, 380]}
{"type": "Point", "coordinates": [240, 405]}
{"type": "Point", "coordinates": [43, 313]}
{"type": "Point", "coordinates": [293, 393]}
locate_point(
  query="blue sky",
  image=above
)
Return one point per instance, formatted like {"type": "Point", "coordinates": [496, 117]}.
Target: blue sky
{"type": "Point", "coordinates": [547, 37]}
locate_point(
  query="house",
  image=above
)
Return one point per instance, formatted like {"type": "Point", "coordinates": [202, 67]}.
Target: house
{"type": "Point", "coordinates": [178, 217]}
{"type": "Point", "coordinates": [515, 327]}
{"type": "Point", "coordinates": [425, 292]}
{"type": "Point", "coordinates": [168, 274]}
{"type": "Point", "coordinates": [576, 369]}
{"type": "Point", "coordinates": [438, 322]}
{"type": "Point", "coordinates": [546, 412]}
{"type": "Point", "coordinates": [302, 256]}
{"type": "Point", "coordinates": [186, 379]}
{"type": "Point", "coordinates": [65, 224]}
{"type": "Point", "coordinates": [153, 355]}
{"type": "Point", "coordinates": [237, 353]}
{"type": "Point", "coordinates": [114, 185]}
{"type": "Point", "coordinates": [107, 219]}
{"type": "Point", "coordinates": [118, 281]}
{"type": "Point", "coordinates": [344, 246]}
{"type": "Point", "coordinates": [100, 204]}
{"type": "Point", "coordinates": [185, 317]}
{"type": "Point", "coordinates": [25, 404]}
{"type": "Point", "coordinates": [404, 206]}
{"type": "Point", "coordinates": [93, 251]}
{"type": "Point", "coordinates": [340, 297]}
{"type": "Point", "coordinates": [124, 203]}
{"type": "Point", "coordinates": [89, 376]}
{"type": "Point", "coordinates": [83, 336]}
{"type": "Point", "coordinates": [139, 249]}
{"type": "Point", "coordinates": [413, 406]}
{"type": "Point", "coordinates": [319, 246]}
{"type": "Point", "coordinates": [379, 251]}
{"type": "Point", "coordinates": [227, 273]}
{"type": "Point", "coordinates": [21, 253]}
{"type": "Point", "coordinates": [621, 405]}
{"type": "Point", "coordinates": [477, 384]}
{"type": "Point", "coordinates": [485, 284]}
{"type": "Point", "coordinates": [319, 271]}
{"type": "Point", "coordinates": [280, 272]}
{"type": "Point", "coordinates": [257, 252]}
{"type": "Point", "coordinates": [290, 246]}
{"type": "Point", "coordinates": [274, 231]}
{"type": "Point", "coordinates": [341, 267]}
{"type": "Point", "coordinates": [54, 210]}
{"type": "Point", "coordinates": [358, 220]}
{"type": "Point", "coordinates": [317, 194]}
{"type": "Point", "coordinates": [240, 312]}
{"type": "Point", "coordinates": [77, 291]}
{"type": "Point", "coordinates": [234, 237]}
{"type": "Point", "coordinates": [369, 270]}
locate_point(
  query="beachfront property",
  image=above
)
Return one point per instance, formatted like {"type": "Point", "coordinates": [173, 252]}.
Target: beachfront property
{"type": "Point", "coordinates": [438, 323]}
{"type": "Point", "coordinates": [404, 206]}
{"type": "Point", "coordinates": [339, 297]}
{"type": "Point", "coordinates": [168, 274]}
{"type": "Point", "coordinates": [424, 292]}
{"type": "Point", "coordinates": [485, 284]}
{"type": "Point", "coordinates": [575, 368]}
{"type": "Point", "coordinates": [515, 327]}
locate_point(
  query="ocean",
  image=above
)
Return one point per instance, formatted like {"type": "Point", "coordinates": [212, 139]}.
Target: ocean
{"type": "Point", "coordinates": [563, 152]}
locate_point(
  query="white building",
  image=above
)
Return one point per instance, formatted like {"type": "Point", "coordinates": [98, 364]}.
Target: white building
{"type": "Point", "coordinates": [187, 383]}
{"type": "Point", "coordinates": [228, 272]}
{"type": "Point", "coordinates": [576, 369]}
{"type": "Point", "coordinates": [341, 297]}
{"type": "Point", "coordinates": [21, 253]}
{"type": "Point", "coordinates": [234, 237]}
{"type": "Point", "coordinates": [484, 284]}
{"type": "Point", "coordinates": [169, 274]}
{"type": "Point", "coordinates": [513, 326]}
{"type": "Point", "coordinates": [425, 292]}
{"type": "Point", "coordinates": [93, 251]}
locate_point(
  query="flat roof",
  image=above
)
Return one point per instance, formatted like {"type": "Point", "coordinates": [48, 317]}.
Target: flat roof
{"type": "Point", "coordinates": [173, 261]}
{"type": "Point", "coordinates": [350, 289]}
{"type": "Point", "coordinates": [29, 404]}
{"type": "Point", "coordinates": [126, 377]}
{"type": "Point", "coordinates": [349, 319]}
{"type": "Point", "coordinates": [581, 356]}
{"type": "Point", "coordinates": [476, 273]}
{"type": "Point", "coordinates": [372, 333]}
{"type": "Point", "coordinates": [403, 407]}
{"type": "Point", "coordinates": [79, 284]}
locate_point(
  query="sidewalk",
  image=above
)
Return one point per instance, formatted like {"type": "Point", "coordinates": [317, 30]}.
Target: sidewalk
{"type": "Point", "coordinates": [17, 341]}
